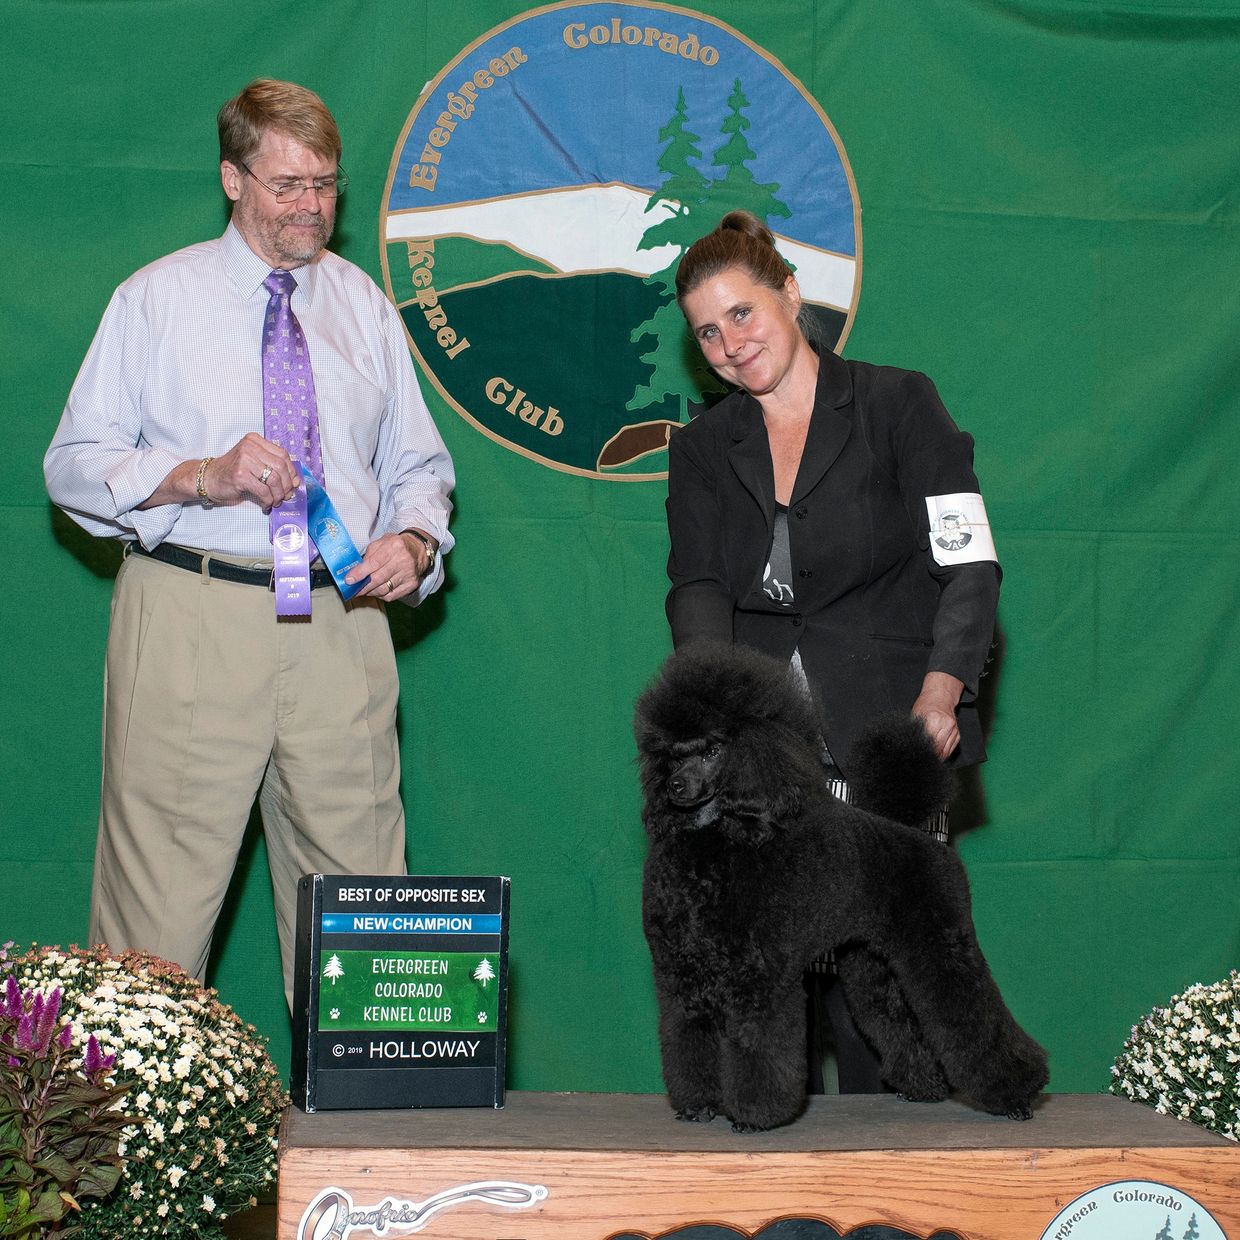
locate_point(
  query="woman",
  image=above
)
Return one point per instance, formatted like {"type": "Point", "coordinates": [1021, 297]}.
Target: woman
{"type": "Point", "coordinates": [826, 512]}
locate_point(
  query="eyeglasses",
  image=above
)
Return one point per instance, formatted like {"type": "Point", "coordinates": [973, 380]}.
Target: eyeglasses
{"type": "Point", "coordinates": [291, 191]}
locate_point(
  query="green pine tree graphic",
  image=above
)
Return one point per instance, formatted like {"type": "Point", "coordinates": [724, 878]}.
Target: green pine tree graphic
{"type": "Point", "coordinates": [683, 190]}
{"type": "Point", "coordinates": [737, 190]}
{"type": "Point", "coordinates": [697, 204]}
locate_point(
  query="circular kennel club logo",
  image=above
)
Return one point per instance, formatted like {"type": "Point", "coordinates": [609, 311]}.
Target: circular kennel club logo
{"type": "Point", "coordinates": [289, 538]}
{"type": "Point", "coordinates": [1136, 1210]}
{"type": "Point", "coordinates": [541, 193]}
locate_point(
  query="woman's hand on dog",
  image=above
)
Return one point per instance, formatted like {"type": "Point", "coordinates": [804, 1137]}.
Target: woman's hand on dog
{"type": "Point", "coordinates": [936, 708]}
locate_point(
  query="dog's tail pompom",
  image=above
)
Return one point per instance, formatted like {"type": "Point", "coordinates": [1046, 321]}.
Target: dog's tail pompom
{"type": "Point", "coordinates": [894, 771]}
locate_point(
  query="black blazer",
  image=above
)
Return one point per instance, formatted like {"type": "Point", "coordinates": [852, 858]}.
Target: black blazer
{"type": "Point", "coordinates": [873, 611]}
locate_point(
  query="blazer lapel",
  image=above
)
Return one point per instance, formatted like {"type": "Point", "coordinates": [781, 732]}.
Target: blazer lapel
{"type": "Point", "coordinates": [828, 429]}
{"type": "Point", "coordinates": [750, 457]}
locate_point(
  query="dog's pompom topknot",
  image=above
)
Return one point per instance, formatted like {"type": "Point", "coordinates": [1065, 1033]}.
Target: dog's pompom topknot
{"type": "Point", "coordinates": [713, 688]}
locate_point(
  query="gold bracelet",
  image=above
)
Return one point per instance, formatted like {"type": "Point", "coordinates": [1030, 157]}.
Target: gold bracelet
{"type": "Point", "coordinates": [200, 482]}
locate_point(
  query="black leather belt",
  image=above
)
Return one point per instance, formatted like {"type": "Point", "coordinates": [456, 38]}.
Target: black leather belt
{"type": "Point", "coordinates": [183, 557]}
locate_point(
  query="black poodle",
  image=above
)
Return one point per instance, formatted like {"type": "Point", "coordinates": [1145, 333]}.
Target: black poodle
{"type": "Point", "coordinates": [755, 870]}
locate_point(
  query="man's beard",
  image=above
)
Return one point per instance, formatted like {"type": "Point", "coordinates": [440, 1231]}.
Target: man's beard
{"type": "Point", "coordinates": [291, 245]}
{"type": "Point", "coordinates": [282, 243]}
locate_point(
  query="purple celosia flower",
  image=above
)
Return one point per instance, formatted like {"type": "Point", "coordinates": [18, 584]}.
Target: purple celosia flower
{"type": "Point", "coordinates": [45, 1011]}
{"type": "Point", "coordinates": [96, 1065]}
{"type": "Point", "coordinates": [66, 1037]}
{"type": "Point", "coordinates": [12, 998]}
{"type": "Point", "coordinates": [25, 1032]}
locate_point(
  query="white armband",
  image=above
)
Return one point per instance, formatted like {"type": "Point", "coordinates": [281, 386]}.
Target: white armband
{"type": "Point", "coordinates": [959, 529]}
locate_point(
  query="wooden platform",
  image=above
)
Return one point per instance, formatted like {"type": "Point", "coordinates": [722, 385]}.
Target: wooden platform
{"type": "Point", "coordinates": [600, 1165]}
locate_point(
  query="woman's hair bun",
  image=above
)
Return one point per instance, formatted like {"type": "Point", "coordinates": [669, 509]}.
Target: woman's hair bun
{"type": "Point", "coordinates": [740, 239]}
{"type": "Point", "coordinates": [749, 225]}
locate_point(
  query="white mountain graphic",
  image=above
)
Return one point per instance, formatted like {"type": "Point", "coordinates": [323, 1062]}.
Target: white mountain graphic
{"type": "Point", "coordinates": [597, 228]}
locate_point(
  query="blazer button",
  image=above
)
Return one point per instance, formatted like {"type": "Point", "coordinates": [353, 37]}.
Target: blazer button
{"type": "Point", "coordinates": [802, 513]}
{"type": "Point", "coordinates": [796, 622]}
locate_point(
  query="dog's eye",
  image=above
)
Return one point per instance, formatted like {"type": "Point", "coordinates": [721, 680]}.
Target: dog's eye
{"type": "Point", "coordinates": [714, 751]}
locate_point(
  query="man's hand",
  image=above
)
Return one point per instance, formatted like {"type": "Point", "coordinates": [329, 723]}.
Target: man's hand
{"type": "Point", "coordinates": [936, 708]}
{"type": "Point", "coordinates": [396, 564]}
{"type": "Point", "coordinates": [254, 469]}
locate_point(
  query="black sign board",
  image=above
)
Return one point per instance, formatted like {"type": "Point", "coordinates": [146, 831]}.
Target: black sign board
{"type": "Point", "coordinates": [400, 992]}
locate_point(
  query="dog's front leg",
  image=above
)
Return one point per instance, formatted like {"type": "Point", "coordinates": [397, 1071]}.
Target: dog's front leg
{"type": "Point", "coordinates": [690, 1046]}
{"type": "Point", "coordinates": [764, 1061]}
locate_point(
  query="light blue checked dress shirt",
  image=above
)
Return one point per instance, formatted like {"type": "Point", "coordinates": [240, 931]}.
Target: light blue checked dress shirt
{"type": "Point", "coordinates": [175, 374]}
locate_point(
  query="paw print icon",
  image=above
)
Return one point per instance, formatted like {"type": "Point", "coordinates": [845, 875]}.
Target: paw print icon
{"type": "Point", "coordinates": [334, 1013]}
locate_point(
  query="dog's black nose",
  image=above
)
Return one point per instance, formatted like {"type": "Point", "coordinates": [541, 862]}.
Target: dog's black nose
{"type": "Point", "coordinates": [676, 785]}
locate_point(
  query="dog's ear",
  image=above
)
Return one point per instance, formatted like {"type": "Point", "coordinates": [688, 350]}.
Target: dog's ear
{"type": "Point", "coordinates": [658, 816]}
{"type": "Point", "coordinates": [765, 775]}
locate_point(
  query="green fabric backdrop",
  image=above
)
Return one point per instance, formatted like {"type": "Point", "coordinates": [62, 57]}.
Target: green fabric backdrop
{"type": "Point", "coordinates": [1051, 223]}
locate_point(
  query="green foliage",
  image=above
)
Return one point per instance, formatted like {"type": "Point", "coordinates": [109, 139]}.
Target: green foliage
{"type": "Point", "coordinates": [60, 1118]}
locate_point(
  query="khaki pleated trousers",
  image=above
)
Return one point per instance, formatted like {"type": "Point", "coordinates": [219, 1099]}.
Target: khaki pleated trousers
{"type": "Point", "coordinates": [208, 700]}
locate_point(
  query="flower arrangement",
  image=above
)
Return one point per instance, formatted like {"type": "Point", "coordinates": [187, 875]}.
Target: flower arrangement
{"type": "Point", "coordinates": [206, 1098]}
{"type": "Point", "coordinates": [1184, 1059]}
{"type": "Point", "coordinates": [59, 1122]}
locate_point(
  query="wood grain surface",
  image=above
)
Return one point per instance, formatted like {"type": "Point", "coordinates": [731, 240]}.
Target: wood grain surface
{"type": "Point", "coordinates": [620, 1164]}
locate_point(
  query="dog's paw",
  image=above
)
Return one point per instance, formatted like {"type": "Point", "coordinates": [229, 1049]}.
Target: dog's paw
{"type": "Point", "coordinates": [696, 1115]}
{"type": "Point", "coordinates": [746, 1129]}
{"type": "Point", "coordinates": [1020, 1113]}
{"type": "Point", "coordinates": [909, 1095]}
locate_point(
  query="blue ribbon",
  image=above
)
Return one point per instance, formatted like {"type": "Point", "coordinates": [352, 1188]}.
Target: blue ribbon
{"type": "Point", "coordinates": [332, 539]}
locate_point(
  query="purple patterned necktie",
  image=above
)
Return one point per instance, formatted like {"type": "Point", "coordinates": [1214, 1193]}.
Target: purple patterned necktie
{"type": "Point", "coordinates": [290, 419]}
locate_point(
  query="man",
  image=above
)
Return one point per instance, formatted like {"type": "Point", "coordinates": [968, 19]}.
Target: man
{"type": "Point", "coordinates": [176, 440]}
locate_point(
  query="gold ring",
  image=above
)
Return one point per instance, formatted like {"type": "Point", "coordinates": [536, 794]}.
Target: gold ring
{"type": "Point", "coordinates": [265, 474]}
{"type": "Point", "coordinates": [390, 585]}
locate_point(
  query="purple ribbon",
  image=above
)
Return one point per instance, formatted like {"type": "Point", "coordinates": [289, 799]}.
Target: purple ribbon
{"type": "Point", "coordinates": [290, 419]}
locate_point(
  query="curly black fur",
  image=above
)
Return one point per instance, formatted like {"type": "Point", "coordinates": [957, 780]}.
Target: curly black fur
{"type": "Point", "coordinates": [754, 870]}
